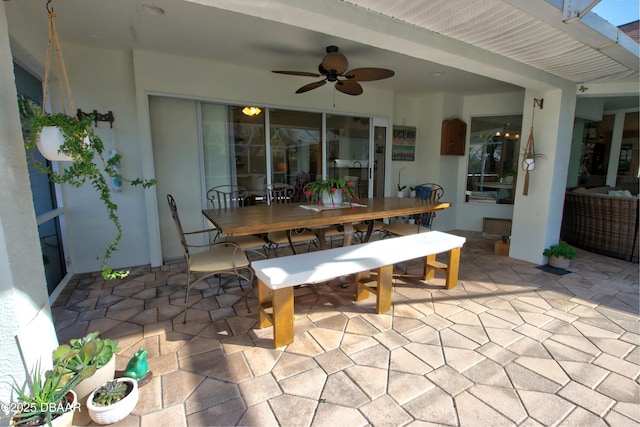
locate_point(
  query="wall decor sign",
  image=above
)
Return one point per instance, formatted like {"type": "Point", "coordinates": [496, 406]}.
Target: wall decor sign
{"type": "Point", "coordinates": [404, 143]}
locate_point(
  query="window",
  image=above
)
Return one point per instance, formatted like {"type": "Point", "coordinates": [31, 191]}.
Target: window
{"type": "Point", "coordinates": [494, 148]}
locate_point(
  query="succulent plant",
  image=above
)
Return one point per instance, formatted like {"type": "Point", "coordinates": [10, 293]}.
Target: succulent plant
{"type": "Point", "coordinates": [110, 393]}
{"type": "Point", "coordinates": [85, 354]}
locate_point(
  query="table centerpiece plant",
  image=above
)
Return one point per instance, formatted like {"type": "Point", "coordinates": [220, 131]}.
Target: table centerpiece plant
{"type": "Point", "coordinates": [88, 164]}
{"type": "Point", "coordinates": [331, 190]}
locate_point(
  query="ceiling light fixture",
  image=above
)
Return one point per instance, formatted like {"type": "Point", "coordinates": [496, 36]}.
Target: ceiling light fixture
{"type": "Point", "coordinates": [251, 111]}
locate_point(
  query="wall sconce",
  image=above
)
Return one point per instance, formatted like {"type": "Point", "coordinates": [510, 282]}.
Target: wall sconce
{"type": "Point", "coordinates": [251, 111]}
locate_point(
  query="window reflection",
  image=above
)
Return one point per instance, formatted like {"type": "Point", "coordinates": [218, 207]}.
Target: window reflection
{"type": "Point", "coordinates": [493, 159]}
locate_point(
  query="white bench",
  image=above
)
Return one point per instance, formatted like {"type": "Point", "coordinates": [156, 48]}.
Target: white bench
{"type": "Point", "coordinates": [278, 276]}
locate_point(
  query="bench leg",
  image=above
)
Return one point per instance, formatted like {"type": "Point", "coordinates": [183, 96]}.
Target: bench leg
{"type": "Point", "coordinates": [452, 269]}
{"type": "Point", "coordinates": [429, 272]}
{"type": "Point", "coordinates": [264, 299]}
{"type": "Point", "coordinates": [282, 316]}
{"type": "Point", "coordinates": [362, 291]}
{"type": "Point", "coordinates": [385, 286]}
{"type": "Point", "coordinates": [382, 290]}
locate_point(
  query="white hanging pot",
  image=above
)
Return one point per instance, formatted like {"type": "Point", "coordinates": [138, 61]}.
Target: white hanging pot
{"type": "Point", "coordinates": [49, 141]}
{"type": "Point", "coordinates": [529, 164]}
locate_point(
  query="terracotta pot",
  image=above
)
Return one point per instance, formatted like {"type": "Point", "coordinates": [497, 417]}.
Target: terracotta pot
{"type": "Point", "coordinates": [119, 410]}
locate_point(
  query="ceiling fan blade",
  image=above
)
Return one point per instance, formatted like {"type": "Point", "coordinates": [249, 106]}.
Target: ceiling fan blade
{"type": "Point", "coordinates": [350, 87]}
{"type": "Point", "coordinates": [310, 86]}
{"type": "Point", "coordinates": [369, 74]}
{"type": "Point", "coordinates": [298, 73]}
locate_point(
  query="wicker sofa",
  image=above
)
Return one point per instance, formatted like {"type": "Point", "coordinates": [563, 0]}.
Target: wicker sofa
{"type": "Point", "coordinates": [599, 222]}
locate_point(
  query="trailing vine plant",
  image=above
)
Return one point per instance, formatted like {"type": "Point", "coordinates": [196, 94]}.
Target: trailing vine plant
{"type": "Point", "coordinates": [88, 164]}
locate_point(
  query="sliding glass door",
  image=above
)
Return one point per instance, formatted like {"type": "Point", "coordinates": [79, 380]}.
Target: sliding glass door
{"type": "Point", "coordinates": [48, 214]}
{"type": "Point", "coordinates": [348, 150]}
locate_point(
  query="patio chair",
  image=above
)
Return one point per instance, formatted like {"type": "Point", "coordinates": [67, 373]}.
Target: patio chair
{"type": "Point", "coordinates": [231, 196]}
{"type": "Point", "coordinates": [218, 258]}
{"type": "Point", "coordinates": [423, 223]}
{"type": "Point", "coordinates": [280, 193]}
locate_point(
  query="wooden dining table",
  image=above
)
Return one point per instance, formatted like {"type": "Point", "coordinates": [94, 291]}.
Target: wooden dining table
{"type": "Point", "coordinates": [259, 219]}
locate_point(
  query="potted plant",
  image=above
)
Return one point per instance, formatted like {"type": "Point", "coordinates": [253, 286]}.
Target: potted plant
{"type": "Point", "coordinates": [51, 400]}
{"type": "Point", "coordinates": [401, 190]}
{"type": "Point", "coordinates": [329, 192]}
{"type": "Point", "coordinates": [88, 164]}
{"type": "Point", "coordinates": [113, 401]}
{"type": "Point", "coordinates": [412, 192]}
{"type": "Point", "coordinates": [529, 159]}
{"type": "Point", "coordinates": [95, 355]}
{"type": "Point", "coordinates": [508, 176]}
{"type": "Point", "coordinates": [560, 254]}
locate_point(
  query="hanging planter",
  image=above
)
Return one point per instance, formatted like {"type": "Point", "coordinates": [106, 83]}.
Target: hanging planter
{"type": "Point", "coordinates": [530, 154]}
{"type": "Point", "coordinates": [76, 142]}
{"type": "Point", "coordinates": [59, 137]}
{"type": "Point", "coordinates": [49, 142]}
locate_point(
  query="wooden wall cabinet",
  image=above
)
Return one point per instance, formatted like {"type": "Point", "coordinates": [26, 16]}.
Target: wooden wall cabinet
{"type": "Point", "coordinates": [454, 132]}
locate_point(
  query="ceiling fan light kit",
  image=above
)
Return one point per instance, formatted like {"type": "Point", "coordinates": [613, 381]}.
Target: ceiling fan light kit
{"type": "Point", "coordinates": [334, 67]}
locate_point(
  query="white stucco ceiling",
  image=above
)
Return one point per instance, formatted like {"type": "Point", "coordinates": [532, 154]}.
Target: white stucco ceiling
{"type": "Point", "coordinates": [487, 45]}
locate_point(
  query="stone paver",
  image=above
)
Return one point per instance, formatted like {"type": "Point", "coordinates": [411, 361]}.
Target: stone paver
{"type": "Point", "coordinates": [510, 345]}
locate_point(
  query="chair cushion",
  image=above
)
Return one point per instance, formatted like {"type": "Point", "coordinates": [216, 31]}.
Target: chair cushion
{"type": "Point", "coordinates": [220, 258]}
{"type": "Point", "coordinates": [246, 242]}
{"type": "Point", "coordinates": [405, 229]}
{"type": "Point", "coordinates": [280, 237]}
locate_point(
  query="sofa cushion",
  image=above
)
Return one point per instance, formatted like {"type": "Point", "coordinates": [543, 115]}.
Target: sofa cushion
{"type": "Point", "coordinates": [620, 193]}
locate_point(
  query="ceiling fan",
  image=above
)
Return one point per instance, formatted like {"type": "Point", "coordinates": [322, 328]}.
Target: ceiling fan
{"type": "Point", "coordinates": [334, 69]}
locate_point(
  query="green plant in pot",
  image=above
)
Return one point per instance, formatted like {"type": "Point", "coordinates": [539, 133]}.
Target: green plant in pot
{"type": "Point", "coordinates": [51, 395]}
{"type": "Point", "coordinates": [333, 189]}
{"type": "Point", "coordinates": [88, 164]}
{"type": "Point", "coordinates": [113, 401]}
{"type": "Point", "coordinates": [91, 354]}
{"type": "Point", "coordinates": [560, 254]}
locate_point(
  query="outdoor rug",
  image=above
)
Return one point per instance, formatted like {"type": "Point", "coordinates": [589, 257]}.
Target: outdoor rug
{"type": "Point", "coordinates": [554, 270]}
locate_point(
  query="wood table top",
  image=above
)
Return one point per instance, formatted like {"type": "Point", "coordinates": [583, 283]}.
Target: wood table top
{"type": "Point", "coordinates": [242, 221]}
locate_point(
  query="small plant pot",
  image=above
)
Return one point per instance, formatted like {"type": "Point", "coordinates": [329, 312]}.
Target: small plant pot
{"type": "Point", "coordinates": [559, 262]}
{"type": "Point", "coordinates": [102, 375]}
{"type": "Point", "coordinates": [333, 199]}
{"type": "Point", "coordinates": [400, 194]}
{"type": "Point", "coordinates": [64, 420]}
{"type": "Point", "coordinates": [529, 164]}
{"type": "Point", "coordinates": [119, 410]}
{"type": "Point", "coordinates": [412, 194]}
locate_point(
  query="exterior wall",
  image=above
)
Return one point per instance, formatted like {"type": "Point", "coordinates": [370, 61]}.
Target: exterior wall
{"type": "Point", "coordinates": [22, 281]}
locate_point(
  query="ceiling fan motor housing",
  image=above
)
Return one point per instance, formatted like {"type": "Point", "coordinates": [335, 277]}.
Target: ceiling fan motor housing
{"type": "Point", "coordinates": [333, 63]}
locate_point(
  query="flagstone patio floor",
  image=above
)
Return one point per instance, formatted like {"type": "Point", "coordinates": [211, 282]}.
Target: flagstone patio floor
{"type": "Point", "coordinates": [511, 345]}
